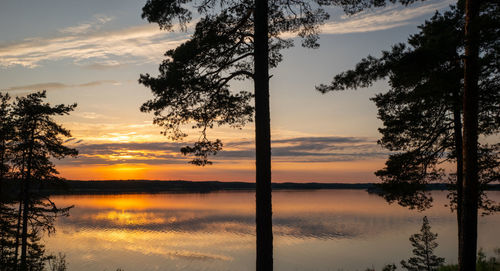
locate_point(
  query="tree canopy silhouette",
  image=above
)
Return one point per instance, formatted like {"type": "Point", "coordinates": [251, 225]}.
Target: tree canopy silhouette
{"type": "Point", "coordinates": [421, 112]}
{"type": "Point", "coordinates": [6, 134]}
{"type": "Point", "coordinates": [194, 81]}
{"type": "Point", "coordinates": [38, 137]}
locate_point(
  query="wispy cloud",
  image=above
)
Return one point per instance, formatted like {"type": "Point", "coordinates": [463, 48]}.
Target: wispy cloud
{"type": "Point", "coordinates": [301, 149]}
{"type": "Point", "coordinates": [88, 45]}
{"type": "Point", "coordinates": [57, 85]}
{"type": "Point", "coordinates": [105, 65]}
{"type": "Point", "coordinates": [95, 24]}
{"type": "Point", "coordinates": [311, 149]}
{"type": "Point", "coordinates": [139, 43]}
{"type": "Point", "coordinates": [383, 19]}
{"type": "Point", "coordinates": [91, 115]}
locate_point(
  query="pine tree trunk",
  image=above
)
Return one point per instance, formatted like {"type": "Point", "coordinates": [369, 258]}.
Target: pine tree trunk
{"type": "Point", "coordinates": [2, 172]}
{"type": "Point", "coordinates": [457, 119]}
{"type": "Point", "coordinates": [24, 234]}
{"type": "Point", "coordinates": [27, 180]}
{"type": "Point", "coordinates": [19, 214]}
{"type": "Point", "coordinates": [262, 139]}
{"type": "Point", "coordinates": [467, 261]}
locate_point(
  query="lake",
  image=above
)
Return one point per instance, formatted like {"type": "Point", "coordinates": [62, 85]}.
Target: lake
{"type": "Point", "coordinates": [313, 230]}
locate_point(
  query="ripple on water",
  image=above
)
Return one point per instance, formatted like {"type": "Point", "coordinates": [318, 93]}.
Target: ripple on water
{"type": "Point", "coordinates": [317, 230]}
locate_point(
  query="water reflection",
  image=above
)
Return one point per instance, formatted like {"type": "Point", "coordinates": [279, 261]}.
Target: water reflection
{"type": "Point", "coordinates": [314, 230]}
{"type": "Point", "coordinates": [199, 214]}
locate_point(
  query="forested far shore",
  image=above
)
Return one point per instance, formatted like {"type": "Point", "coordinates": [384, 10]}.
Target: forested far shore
{"type": "Point", "coordinates": [62, 187]}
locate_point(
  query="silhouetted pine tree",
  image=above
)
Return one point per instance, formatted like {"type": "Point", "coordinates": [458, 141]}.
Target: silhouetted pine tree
{"type": "Point", "coordinates": [234, 40]}
{"type": "Point", "coordinates": [422, 113]}
{"type": "Point", "coordinates": [470, 185]}
{"type": "Point", "coordinates": [37, 139]}
{"type": "Point", "coordinates": [424, 244]}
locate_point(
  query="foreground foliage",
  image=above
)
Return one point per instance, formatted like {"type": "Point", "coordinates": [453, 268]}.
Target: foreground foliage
{"type": "Point", "coordinates": [483, 263]}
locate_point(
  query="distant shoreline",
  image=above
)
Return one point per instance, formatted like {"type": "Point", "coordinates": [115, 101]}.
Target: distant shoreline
{"type": "Point", "coordinates": [155, 186]}
{"type": "Point", "coordinates": [71, 187]}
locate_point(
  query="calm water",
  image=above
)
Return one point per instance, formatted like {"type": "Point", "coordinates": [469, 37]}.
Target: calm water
{"type": "Point", "coordinates": [313, 230]}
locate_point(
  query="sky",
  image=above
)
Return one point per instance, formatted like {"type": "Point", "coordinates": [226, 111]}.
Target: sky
{"type": "Point", "coordinates": [92, 53]}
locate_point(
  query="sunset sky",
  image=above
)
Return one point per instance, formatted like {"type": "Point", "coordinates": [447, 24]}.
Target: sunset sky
{"type": "Point", "coordinates": [92, 52]}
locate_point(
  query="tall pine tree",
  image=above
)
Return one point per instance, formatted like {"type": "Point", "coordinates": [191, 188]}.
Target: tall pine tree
{"type": "Point", "coordinates": [422, 113]}
{"type": "Point", "coordinates": [233, 40]}
{"type": "Point", "coordinates": [38, 138]}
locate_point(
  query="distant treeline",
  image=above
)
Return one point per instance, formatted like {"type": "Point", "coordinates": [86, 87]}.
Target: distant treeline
{"type": "Point", "coordinates": [155, 186]}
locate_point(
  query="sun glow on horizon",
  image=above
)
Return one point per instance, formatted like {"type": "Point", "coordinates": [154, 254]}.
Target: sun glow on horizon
{"type": "Point", "coordinates": [105, 172]}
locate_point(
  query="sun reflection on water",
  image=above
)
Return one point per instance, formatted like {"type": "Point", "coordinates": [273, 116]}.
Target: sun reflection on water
{"type": "Point", "coordinates": [131, 218]}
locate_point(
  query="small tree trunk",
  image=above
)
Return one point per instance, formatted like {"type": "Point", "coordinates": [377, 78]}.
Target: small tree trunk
{"type": "Point", "coordinates": [457, 119]}
{"type": "Point", "coordinates": [18, 232]}
{"type": "Point", "coordinates": [467, 261]}
{"type": "Point", "coordinates": [24, 235]}
{"type": "Point", "coordinates": [19, 214]}
{"type": "Point", "coordinates": [262, 139]}
{"type": "Point", "coordinates": [2, 172]}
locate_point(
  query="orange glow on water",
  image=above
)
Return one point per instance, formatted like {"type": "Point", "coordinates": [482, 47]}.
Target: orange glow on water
{"type": "Point", "coordinates": [122, 203]}
{"type": "Point", "coordinates": [141, 202]}
{"type": "Point", "coordinates": [128, 218]}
